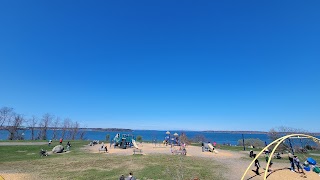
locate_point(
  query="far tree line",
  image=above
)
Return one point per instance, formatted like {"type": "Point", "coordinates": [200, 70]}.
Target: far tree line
{"type": "Point", "coordinates": [14, 123]}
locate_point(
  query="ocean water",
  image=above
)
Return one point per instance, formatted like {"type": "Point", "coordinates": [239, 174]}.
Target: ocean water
{"type": "Point", "coordinates": [158, 136]}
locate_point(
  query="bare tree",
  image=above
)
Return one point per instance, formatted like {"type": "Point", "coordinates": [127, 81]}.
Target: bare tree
{"type": "Point", "coordinates": [6, 114]}
{"type": "Point", "coordinates": [184, 139]}
{"type": "Point", "coordinates": [11, 121]}
{"type": "Point", "coordinates": [74, 130]}
{"type": "Point", "coordinates": [81, 134]}
{"type": "Point", "coordinates": [55, 126]}
{"type": "Point", "coordinates": [13, 127]}
{"type": "Point", "coordinates": [65, 128]}
{"type": "Point", "coordinates": [32, 125]}
{"type": "Point", "coordinates": [44, 124]}
{"type": "Point", "coordinates": [276, 133]}
{"type": "Point", "coordinates": [199, 138]}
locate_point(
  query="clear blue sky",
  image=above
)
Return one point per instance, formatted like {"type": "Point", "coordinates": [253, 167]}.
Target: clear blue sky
{"type": "Point", "coordinates": [209, 65]}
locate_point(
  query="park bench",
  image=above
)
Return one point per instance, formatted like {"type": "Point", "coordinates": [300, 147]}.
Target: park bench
{"type": "Point", "coordinates": [137, 151]}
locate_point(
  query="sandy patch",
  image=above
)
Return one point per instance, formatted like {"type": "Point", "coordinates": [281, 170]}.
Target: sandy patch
{"type": "Point", "coordinates": [15, 176]}
{"type": "Point", "coordinates": [280, 171]}
{"type": "Point", "coordinates": [148, 148]}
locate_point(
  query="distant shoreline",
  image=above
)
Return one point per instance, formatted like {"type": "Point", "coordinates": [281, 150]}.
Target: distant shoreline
{"type": "Point", "coordinates": [131, 130]}
{"type": "Point", "coordinates": [238, 132]}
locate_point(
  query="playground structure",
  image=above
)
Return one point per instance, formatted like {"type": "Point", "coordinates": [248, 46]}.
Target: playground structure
{"type": "Point", "coordinates": [208, 147]}
{"type": "Point", "coordinates": [124, 141]}
{"type": "Point", "coordinates": [277, 142]}
{"type": "Point", "coordinates": [172, 140]}
{"type": "Point", "coordinates": [135, 144]}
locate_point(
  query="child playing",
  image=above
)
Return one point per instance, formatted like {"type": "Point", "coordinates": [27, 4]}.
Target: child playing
{"type": "Point", "coordinates": [267, 159]}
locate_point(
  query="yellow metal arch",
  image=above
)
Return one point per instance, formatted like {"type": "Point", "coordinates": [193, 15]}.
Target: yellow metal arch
{"type": "Point", "coordinates": [277, 142]}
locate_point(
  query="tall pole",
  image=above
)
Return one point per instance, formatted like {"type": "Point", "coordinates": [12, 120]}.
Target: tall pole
{"type": "Point", "coordinates": [244, 147]}
{"type": "Point", "coordinates": [291, 146]}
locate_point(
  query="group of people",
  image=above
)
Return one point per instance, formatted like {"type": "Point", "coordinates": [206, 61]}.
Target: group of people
{"type": "Point", "coordinates": [60, 141]}
{"type": "Point", "coordinates": [294, 161]}
{"type": "Point", "coordinates": [257, 163]}
{"type": "Point", "coordinates": [104, 147]}
{"type": "Point", "coordinates": [130, 177]}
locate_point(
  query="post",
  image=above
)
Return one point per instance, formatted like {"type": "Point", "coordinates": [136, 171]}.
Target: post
{"type": "Point", "coordinates": [291, 146]}
{"type": "Point", "coordinates": [244, 147]}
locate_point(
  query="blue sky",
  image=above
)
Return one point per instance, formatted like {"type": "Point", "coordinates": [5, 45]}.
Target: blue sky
{"type": "Point", "coordinates": [190, 65]}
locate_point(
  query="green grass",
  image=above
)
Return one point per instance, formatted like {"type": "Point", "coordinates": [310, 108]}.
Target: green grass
{"type": "Point", "coordinates": [230, 148]}
{"type": "Point", "coordinates": [79, 164]}
{"type": "Point", "coordinates": [31, 152]}
{"type": "Point", "coordinates": [236, 148]}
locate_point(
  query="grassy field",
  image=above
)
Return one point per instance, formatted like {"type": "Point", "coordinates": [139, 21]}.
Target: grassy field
{"type": "Point", "coordinates": [79, 164]}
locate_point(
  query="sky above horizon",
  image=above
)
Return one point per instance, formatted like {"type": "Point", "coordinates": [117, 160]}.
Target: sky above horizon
{"type": "Point", "coordinates": [187, 65]}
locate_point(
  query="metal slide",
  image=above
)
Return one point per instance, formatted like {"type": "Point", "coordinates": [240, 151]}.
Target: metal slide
{"type": "Point", "coordinates": [212, 148]}
{"type": "Point", "coordinates": [135, 144]}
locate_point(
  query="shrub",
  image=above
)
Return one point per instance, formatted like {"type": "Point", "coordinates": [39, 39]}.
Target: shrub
{"type": "Point", "coordinates": [139, 138]}
{"type": "Point", "coordinates": [251, 142]}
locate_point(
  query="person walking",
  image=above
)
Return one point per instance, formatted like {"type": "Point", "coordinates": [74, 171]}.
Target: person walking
{"type": "Point", "coordinates": [257, 164]}
{"type": "Point", "coordinates": [251, 154]}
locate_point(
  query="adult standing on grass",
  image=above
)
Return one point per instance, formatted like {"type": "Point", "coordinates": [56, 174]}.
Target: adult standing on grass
{"type": "Point", "coordinates": [291, 162]}
{"type": "Point", "coordinates": [61, 141]}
